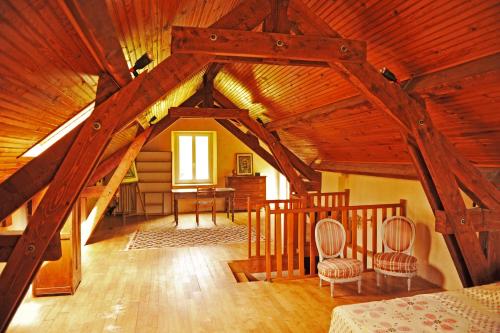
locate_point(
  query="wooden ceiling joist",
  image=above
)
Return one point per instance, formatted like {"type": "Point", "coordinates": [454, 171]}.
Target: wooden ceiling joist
{"type": "Point", "coordinates": [38, 173]}
{"type": "Point", "coordinates": [56, 204]}
{"type": "Point", "coordinates": [223, 42]}
{"type": "Point", "coordinates": [216, 113]}
{"type": "Point", "coordinates": [412, 116]}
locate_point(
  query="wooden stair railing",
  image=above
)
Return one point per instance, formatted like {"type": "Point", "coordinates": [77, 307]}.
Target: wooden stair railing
{"type": "Point", "coordinates": [293, 247]}
{"type": "Point", "coordinates": [255, 208]}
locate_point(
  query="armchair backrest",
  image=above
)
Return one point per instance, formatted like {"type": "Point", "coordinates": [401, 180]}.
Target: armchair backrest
{"type": "Point", "coordinates": [398, 234]}
{"type": "Point", "coordinates": [330, 238]}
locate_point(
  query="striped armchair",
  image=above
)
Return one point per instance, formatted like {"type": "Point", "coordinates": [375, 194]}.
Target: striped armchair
{"type": "Point", "coordinates": [330, 241]}
{"type": "Point", "coordinates": [398, 235]}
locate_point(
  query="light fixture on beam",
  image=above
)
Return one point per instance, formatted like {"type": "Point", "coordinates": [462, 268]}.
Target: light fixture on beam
{"type": "Point", "coordinates": [142, 62]}
{"type": "Point", "coordinates": [388, 74]}
{"type": "Point", "coordinates": [152, 120]}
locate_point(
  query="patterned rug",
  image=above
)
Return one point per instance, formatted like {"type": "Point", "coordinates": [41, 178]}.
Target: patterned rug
{"type": "Point", "coordinates": [154, 239]}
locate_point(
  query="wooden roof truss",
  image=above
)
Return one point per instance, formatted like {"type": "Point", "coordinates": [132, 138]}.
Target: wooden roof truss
{"type": "Point", "coordinates": [70, 164]}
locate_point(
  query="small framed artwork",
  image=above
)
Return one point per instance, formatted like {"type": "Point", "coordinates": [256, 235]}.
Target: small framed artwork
{"type": "Point", "coordinates": [131, 175]}
{"type": "Point", "coordinates": [244, 164]}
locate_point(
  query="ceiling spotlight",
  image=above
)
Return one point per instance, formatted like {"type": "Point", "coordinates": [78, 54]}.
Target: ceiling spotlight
{"type": "Point", "coordinates": [142, 62]}
{"type": "Point", "coordinates": [388, 74]}
{"type": "Point", "coordinates": [152, 120]}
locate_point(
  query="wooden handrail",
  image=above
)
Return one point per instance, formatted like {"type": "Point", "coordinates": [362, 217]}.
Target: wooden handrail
{"type": "Point", "coordinates": [288, 244]}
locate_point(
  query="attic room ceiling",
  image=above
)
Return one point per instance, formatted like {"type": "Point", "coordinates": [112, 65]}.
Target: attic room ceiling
{"type": "Point", "coordinates": [48, 74]}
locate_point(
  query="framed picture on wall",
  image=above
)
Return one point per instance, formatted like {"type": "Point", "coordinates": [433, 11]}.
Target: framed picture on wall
{"type": "Point", "coordinates": [244, 164]}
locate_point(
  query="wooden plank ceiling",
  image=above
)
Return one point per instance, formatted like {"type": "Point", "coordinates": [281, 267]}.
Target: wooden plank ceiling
{"type": "Point", "coordinates": [47, 74]}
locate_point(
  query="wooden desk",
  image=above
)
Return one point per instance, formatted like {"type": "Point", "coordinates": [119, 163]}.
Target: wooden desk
{"type": "Point", "coordinates": [190, 193]}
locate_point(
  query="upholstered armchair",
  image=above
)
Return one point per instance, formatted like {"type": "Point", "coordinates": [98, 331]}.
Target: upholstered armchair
{"type": "Point", "coordinates": [398, 235]}
{"type": "Point", "coordinates": [330, 241]}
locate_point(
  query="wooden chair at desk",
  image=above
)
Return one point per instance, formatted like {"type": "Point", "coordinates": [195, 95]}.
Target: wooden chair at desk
{"type": "Point", "coordinates": [205, 197]}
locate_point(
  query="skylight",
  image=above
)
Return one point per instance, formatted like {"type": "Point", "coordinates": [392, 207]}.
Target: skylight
{"type": "Point", "coordinates": [56, 135]}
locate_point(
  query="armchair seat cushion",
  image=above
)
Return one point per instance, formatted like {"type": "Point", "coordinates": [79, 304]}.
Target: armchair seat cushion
{"type": "Point", "coordinates": [395, 262]}
{"type": "Point", "coordinates": [340, 268]}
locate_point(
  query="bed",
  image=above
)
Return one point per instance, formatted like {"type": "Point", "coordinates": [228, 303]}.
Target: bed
{"type": "Point", "coordinates": [471, 310]}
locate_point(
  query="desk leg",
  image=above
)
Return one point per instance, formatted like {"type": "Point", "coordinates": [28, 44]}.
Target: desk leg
{"type": "Point", "coordinates": [176, 211]}
{"type": "Point", "coordinates": [232, 207]}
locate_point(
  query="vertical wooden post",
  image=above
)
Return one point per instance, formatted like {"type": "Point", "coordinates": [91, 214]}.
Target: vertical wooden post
{"type": "Point", "coordinates": [268, 243]}
{"type": "Point", "coordinates": [249, 224]}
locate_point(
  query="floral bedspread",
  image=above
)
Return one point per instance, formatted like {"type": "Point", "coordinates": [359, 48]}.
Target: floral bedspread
{"type": "Point", "coordinates": [470, 310]}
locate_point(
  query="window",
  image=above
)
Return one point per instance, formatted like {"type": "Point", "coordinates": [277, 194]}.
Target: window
{"type": "Point", "coordinates": [194, 157]}
{"type": "Point", "coordinates": [61, 131]}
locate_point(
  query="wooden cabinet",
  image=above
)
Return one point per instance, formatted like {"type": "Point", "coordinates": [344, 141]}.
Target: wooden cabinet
{"type": "Point", "coordinates": [246, 186]}
{"type": "Point", "coordinates": [64, 275]}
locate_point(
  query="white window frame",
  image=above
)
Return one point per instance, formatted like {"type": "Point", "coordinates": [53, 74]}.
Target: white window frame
{"type": "Point", "coordinates": [212, 156]}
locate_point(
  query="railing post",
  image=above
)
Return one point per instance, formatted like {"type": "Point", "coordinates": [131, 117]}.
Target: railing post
{"type": "Point", "coordinates": [249, 210]}
{"type": "Point", "coordinates": [347, 197]}
{"type": "Point", "coordinates": [268, 242]}
{"type": "Point", "coordinates": [402, 208]}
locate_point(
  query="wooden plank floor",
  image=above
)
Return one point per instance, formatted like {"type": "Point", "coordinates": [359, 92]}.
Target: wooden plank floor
{"type": "Point", "coordinates": [186, 290]}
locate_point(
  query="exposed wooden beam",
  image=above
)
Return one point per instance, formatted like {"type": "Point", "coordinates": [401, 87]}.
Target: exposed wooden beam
{"type": "Point", "coordinates": [456, 78]}
{"type": "Point", "coordinates": [92, 21]}
{"type": "Point", "coordinates": [277, 21]}
{"type": "Point", "coordinates": [92, 191]}
{"type": "Point", "coordinates": [113, 184]}
{"type": "Point", "coordinates": [186, 112]}
{"type": "Point", "coordinates": [299, 119]}
{"type": "Point", "coordinates": [304, 169]}
{"type": "Point", "coordinates": [435, 84]}
{"type": "Point", "coordinates": [249, 142]}
{"type": "Point", "coordinates": [225, 42]}
{"type": "Point", "coordinates": [401, 171]}
{"type": "Point", "coordinates": [9, 239]}
{"type": "Point", "coordinates": [38, 173]}
{"type": "Point", "coordinates": [279, 153]}
{"type": "Point", "coordinates": [481, 219]}
{"type": "Point", "coordinates": [270, 61]}
{"type": "Point", "coordinates": [413, 117]}
{"type": "Point", "coordinates": [56, 204]}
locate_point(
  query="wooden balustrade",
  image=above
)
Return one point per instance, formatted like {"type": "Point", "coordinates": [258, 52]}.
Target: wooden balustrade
{"type": "Point", "coordinates": [289, 234]}
{"type": "Point", "coordinates": [255, 208]}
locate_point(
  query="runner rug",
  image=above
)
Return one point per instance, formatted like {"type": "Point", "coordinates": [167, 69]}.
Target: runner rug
{"type": "Point", "coordinates": [154, 239]}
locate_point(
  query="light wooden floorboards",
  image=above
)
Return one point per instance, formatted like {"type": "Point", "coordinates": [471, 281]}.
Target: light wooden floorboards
{"type": "Point", "coordinates": [186, 290]}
